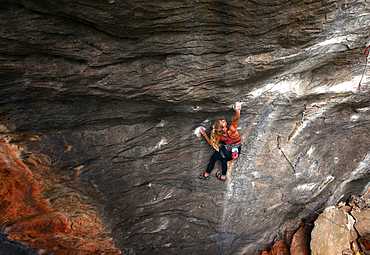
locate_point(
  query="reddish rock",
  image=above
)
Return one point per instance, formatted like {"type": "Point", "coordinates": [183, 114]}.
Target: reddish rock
{"type": "Point", "coordinates": [288, 235]}
{"type": "Point", "coordinates": [64, 226]}
{"type": "Point", "coordinates": [280, 248]}
{"type": "Point", "coordinates": [301, 241]}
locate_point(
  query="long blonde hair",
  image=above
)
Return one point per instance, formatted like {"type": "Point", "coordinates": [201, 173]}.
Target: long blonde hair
{"type": "Point", "coordinates": [218, 129]}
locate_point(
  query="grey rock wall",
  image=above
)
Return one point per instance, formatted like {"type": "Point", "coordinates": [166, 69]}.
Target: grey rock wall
{"type": "Point", "coordinates": [123, 86]}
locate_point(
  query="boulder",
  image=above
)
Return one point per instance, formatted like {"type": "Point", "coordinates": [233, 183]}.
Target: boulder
{"type": "Point", "coordinates": [333, 232]}
{"type": "Point", "coordinates": [280, 248]}
{"type": "Point", "coordinates": [362, 217]}
{"type": "Point", "coordinates": [288, 235]}
{"type": "Point", "coordinates": [301, 241]}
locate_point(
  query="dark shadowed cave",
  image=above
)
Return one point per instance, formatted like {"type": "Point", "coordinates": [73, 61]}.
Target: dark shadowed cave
{"type": "Point", "coordinates": [99, 104]}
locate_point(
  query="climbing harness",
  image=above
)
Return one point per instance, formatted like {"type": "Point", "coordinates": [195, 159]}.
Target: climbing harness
{"type": "Point", "coordinates": [366, 53]}
{"type": "Point", "coordinates": [234, 150]}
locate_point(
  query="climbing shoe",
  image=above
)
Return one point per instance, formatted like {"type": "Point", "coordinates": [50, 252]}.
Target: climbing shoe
{"type": "Point", "coordinates": [218, 175]}
{"type": "Point", "coordinates": [203, 177]}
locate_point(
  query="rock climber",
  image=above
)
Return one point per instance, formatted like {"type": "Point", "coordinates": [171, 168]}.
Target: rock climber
{"type": "Point", "coordinates": [227, 143]}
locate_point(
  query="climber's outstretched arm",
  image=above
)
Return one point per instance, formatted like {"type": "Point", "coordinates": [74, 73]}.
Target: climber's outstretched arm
{"type": "Point", "coordinates": [234, 125]}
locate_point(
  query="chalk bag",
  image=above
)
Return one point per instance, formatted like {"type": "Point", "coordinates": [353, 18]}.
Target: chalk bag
{"type": "Point", "coordinates": [235, 152]}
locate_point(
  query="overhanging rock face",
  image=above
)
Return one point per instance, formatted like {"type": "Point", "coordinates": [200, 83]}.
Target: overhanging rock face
{"type": "Point", "coordinates": [111, 93]}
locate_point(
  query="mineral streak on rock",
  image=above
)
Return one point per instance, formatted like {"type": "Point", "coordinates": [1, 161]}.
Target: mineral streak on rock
{"type": "Point", "coordinates": [62, 225]}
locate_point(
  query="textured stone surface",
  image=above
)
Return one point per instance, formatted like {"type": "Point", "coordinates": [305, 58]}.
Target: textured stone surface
{"type": "Point", "coordinates": [280, 248]}
{"type": "Point", "coordinates": [61, 221]}
{"type": "Point", "coordinates": [14, 247]}
{"type": "Point", "coordinates": [333, 232]}
{"type": "Point", "coordinates": [361, 217]}
{"type": "Point", "coordinates": [301, 241]}
{"type": "Point", "coordinates": [111, 93]}
{"type": "Point", "coordinates": [362, 227]}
